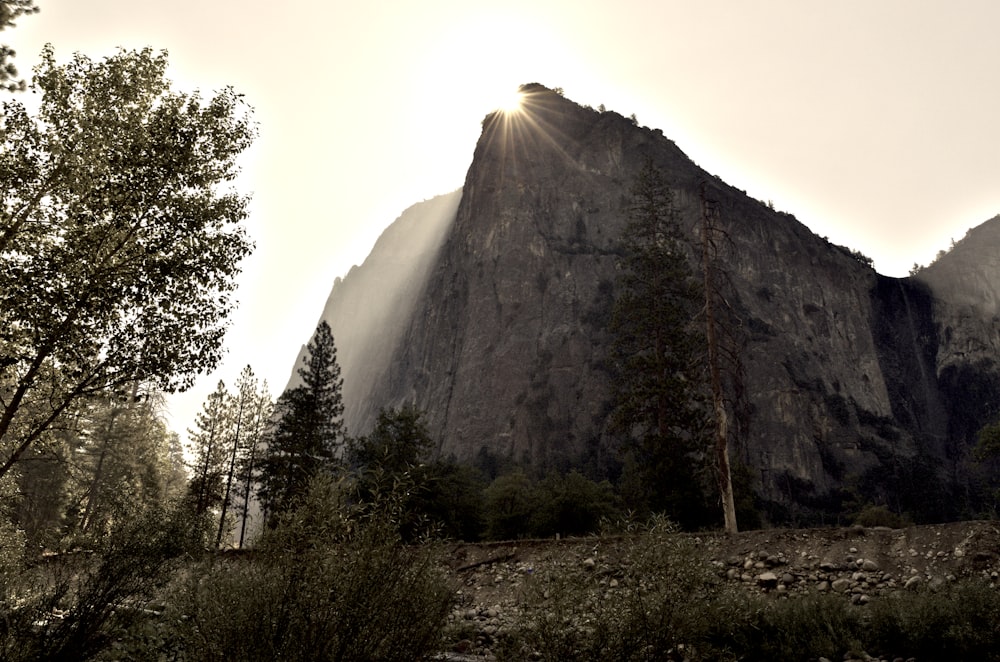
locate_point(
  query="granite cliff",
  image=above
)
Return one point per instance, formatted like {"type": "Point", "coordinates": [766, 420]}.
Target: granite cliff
{"type": "Point", "coordinates": [495, 324]}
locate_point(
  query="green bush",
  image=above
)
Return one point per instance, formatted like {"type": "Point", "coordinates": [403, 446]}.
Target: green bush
{"type": "Point", "coordinates": [572, 505]}
{"type": "Point", "coordinates": [880, 516]}
{"type": "Point", "coordinates": [569, 504]}
{"type": "Point", "coordinates": [74, 607]}
{"type": "Point", "coordinates": [510, 503]}
{"type": "Point", "coordinates": [796, 629]}
{"type": "Point", "coordinates": [328, 584]}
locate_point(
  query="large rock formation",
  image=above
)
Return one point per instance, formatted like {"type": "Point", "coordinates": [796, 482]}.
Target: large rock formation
{"type": "Point", "coordinates": [853, 378]}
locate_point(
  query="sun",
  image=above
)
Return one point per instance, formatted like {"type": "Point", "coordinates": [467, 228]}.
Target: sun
{"type": "Point", "coordinates": [511, 102]}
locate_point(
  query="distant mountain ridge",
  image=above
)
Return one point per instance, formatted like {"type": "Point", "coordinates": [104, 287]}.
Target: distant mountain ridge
{"type": "Point", "coordinates": [499, 329]}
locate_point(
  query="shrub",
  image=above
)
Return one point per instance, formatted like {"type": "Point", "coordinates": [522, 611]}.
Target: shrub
{"type": "Point", "coordinates": [960, 621]}
{"type": "Point", "coordinates": [880, 516]}
{"type": "Point", "coordinates": [330, 583]}
{"type": "Point", "coordinates": [73, 607]}
{"type": "Point", "coordinates": [804, 628]}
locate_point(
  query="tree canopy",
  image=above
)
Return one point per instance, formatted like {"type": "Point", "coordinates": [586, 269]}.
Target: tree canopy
{"type": "Point", "coordinates": [120, 235]}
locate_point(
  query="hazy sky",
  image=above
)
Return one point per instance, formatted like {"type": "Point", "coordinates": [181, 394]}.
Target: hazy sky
{"type": "Point", "coordinates": [875, 122]}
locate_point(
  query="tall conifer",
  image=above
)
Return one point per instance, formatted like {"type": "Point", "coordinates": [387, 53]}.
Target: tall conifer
{"type": "Point", "coordinates": [207, 444]}
{"type": "Point", "coordinates": [660, 409]}
{"type": "Point", "coordinates": [308, 432]}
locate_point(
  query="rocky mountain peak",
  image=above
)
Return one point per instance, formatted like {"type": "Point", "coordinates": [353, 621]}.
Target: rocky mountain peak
{"type": "Point", "coordinates": [500, 331]}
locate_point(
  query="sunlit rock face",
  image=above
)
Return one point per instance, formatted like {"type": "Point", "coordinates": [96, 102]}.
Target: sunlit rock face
{"type": "Point", "coordinates": [371, 307]}
{"type": "Point", "coordinates": [505, 345]}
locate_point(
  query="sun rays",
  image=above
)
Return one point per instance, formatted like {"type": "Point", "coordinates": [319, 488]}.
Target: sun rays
{"type": "Point", "coordinates": [511, 102]}
{"type": "Point", "coordinates": [530, 120]}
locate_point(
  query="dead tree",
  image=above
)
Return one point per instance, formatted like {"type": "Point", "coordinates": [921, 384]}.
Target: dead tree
{"type": "Point", "coordinates": [715, 299]}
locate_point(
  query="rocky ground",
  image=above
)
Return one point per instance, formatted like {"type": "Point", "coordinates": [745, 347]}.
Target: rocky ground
{"type": "Point", "coordinates": [860, 563]}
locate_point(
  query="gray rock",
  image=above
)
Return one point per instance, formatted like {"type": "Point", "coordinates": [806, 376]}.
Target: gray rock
{"type": "Point", "coordinates": [767, 580]}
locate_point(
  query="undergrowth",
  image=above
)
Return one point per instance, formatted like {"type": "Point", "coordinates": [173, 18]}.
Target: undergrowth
{"type": "Point", "coordinates": [334, 583]}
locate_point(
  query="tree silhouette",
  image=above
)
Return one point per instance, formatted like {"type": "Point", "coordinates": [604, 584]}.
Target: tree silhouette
{"type": "Point", "coordinates": [660, 409]}
{"type": "Point", "coordinates": [308, 433]}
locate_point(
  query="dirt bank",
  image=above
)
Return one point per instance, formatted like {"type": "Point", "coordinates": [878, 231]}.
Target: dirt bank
{"type": "Point", "coordinates": [859, 562]}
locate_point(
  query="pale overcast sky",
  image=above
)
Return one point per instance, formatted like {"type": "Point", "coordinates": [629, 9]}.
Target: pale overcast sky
{"type": "Point", "coordinates": [873, 121]}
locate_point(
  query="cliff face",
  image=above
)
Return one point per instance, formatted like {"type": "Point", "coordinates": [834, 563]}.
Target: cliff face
{"type": "Point", "coordinates": [965, 287]}
{"type": "Point", "coordinates": [504, 342]}
{"type": "Point", "coordinates": [371, 307]}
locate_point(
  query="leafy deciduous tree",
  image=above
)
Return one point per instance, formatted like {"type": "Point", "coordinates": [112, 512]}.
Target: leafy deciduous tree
{"type": "Point", "coordinates": [119, 236]}
{"type": "Point", "coordinates": [510, 502]}
{"type": "Point", "coordinates": [10, 10]}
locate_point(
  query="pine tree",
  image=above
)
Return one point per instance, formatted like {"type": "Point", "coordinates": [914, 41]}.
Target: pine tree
{"type": "Point", "coordinates": [308, 433]}
{"type": "Point", "coordinates": [207, 444]}
{"type": "Point", "coordinates": [259, 418]}
{"type": "Point", "coordinates": [242, 406]}
{"type": "Point", "coordinates": [660, 409]}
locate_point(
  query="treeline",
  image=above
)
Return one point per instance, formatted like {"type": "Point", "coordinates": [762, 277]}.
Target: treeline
{"type": "Point", "coordinates": [254, 461]}
{"type": "Point", "coordinates": [246, 455]}
{"type": "Point", "coordinates": [114, 456]}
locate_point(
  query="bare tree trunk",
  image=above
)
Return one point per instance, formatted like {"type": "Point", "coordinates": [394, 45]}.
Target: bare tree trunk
{"type": "Point", "coordinates": [724, 474]}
